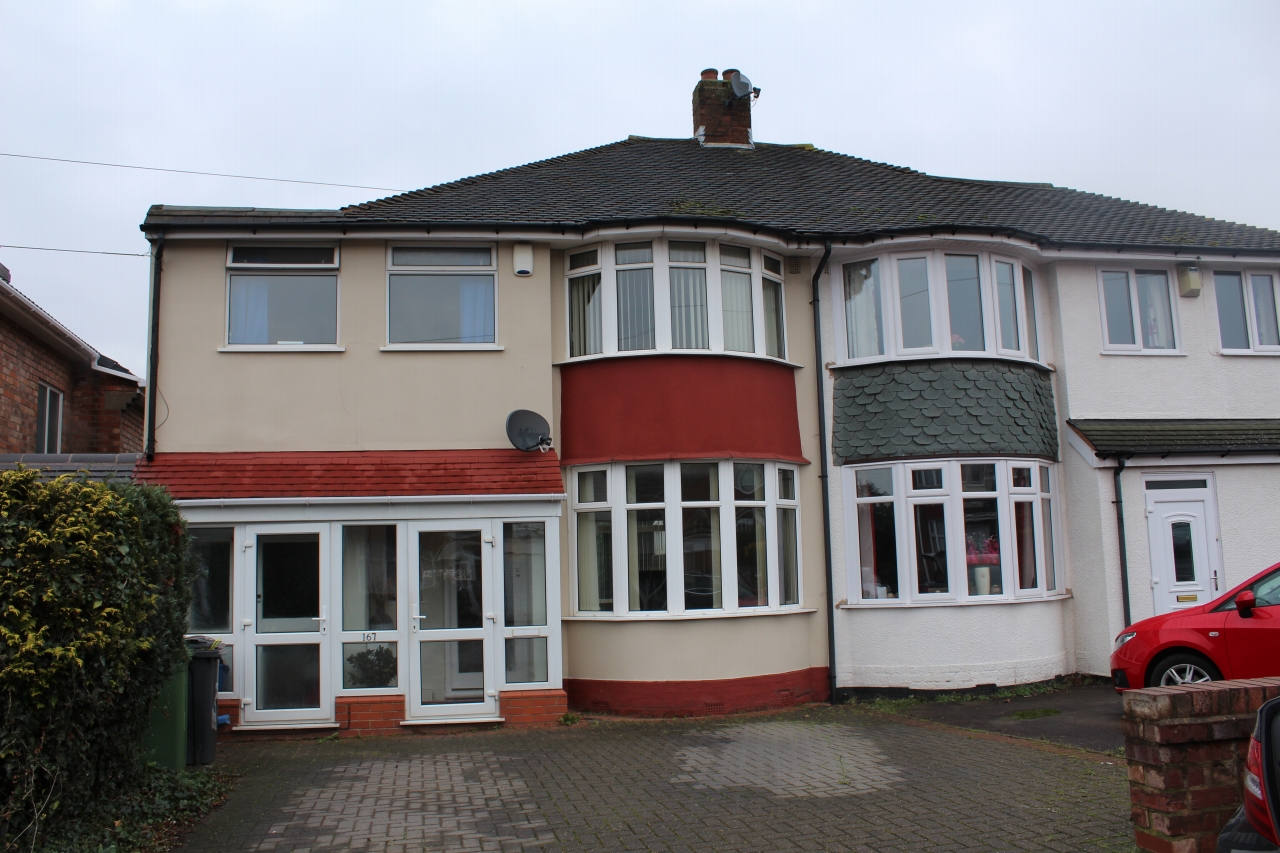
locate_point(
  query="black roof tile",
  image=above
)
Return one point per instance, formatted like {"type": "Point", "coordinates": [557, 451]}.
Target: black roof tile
{"type": "Point", "coordinates": [1129, 437]}
{"type": "Point", "coordinates": [796, 190]}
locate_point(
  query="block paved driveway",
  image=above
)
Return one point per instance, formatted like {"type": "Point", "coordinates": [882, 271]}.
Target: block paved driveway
{"type": "Point", "coordinates": [816, 778]}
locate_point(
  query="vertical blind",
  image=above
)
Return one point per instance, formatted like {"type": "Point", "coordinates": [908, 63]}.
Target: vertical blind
{"type": "Point", "coordinates": [689, 309]}
{"type": "Point", "coordinates": [635, 310]}
{"type": "Point", "coordinates": [739, 332]}
{"type": "Point", "coordinates": [586, 334]}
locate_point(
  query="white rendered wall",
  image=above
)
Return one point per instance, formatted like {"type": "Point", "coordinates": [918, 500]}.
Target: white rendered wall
{"type": "Point", "coordinates": [950, 648]}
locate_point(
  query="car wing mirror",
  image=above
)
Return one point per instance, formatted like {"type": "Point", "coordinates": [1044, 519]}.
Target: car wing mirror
{"type": "Point", "coordinates": [1245, 602]}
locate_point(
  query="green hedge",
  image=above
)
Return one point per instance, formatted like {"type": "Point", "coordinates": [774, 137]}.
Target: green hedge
{"type": "Point", "coordinates": [94, 591]}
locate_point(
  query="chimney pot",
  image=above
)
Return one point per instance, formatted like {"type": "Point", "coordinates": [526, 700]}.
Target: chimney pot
{"type": "Point", "coordinates": [709, 73]}
{"type": "Point", "coordinates": [727, 73]}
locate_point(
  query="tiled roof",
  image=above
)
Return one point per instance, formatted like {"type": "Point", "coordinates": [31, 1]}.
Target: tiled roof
{"type": "Point", "coordinates": [370, 473]}
{"type": "Point", "coordinates": [97, 466]}
{"type": "Point", "coordinates": [943, 407]}
{"type": "Point", "coordinates": [796, 190]}
{"type": "Point", "coordinates": [1169, 437]}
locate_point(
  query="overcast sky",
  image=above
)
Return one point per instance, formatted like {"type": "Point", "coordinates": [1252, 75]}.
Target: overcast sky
{"type": "Point", "coordinates": [1174, 104]}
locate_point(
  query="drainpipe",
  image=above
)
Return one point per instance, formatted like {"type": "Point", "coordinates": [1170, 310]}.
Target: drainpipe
{"type": "Point", "coordinates": [1124, 551]}
{"type": "Point", "coordinates": [153, 356]}
{"type": "Point", "coordinates": [822, 476]}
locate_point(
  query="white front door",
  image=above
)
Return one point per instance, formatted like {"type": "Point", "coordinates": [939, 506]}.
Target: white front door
{"type": "Point", "coordinates": [453, 607]}
{"type": "Point", "coordinates": [1182, 532]}
{"type": "Point", "coordinates": [287, 632]}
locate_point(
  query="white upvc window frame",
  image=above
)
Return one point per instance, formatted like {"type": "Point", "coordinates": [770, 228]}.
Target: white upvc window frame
{"type": "Point", "coordinates": [424, 269]}
{"type": "Point", "coordinates": [232, 245]}
{"type": "Point", "coordinates": [46, 394]}
{"type": "Point", "coordinates": [673, 505]}
{"type": "Point", "coordinates": [282, 270]}
{"type": "Point", "coordinates": [608, 268]}
{"type": "Point", "coordinates": [939, 308]}
{"type": "Point", "coordinates": [1251, 308]}
{"type": "Point", "coordinates": [778, 278]}
{"type": "Point", "coordinates": [1137, 347]}
{"type": "Point", "coordinates": [550, 631]}
{"type": "Point", "coordinates": [952, 496]}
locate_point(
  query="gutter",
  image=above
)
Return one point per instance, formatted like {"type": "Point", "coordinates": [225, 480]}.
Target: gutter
{"type": "Point", "coordinates": [153, 348]}
{"type": "Point", "coordinates": [823, 477]}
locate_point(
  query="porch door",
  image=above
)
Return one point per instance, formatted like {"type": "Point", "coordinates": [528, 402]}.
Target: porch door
{"type": "Point", "coordinates": [287, 660]}
{"type": "Point", "coordinates": [453, 607]}
{"type": "Point", "coordinates": [1182, 560]}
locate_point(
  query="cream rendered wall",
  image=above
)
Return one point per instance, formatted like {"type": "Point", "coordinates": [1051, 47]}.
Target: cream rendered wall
{"type": "Point", "coordinates": [690, 649]}
{"type": "Point", "coordinates": [360, 399]}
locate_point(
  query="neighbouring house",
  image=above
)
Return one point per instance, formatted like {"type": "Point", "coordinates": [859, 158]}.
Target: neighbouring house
{"type": "Point", "coordinates": [804, 408]}
{"type": "Point", "coordinates": [58, 395]}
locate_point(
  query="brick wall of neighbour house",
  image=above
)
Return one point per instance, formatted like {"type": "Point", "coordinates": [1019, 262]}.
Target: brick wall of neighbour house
{"type": "Point", "coordinates": [368, 716]}
{"type": "Point", "coordinates": [1186, 748]}
{"type": "Point", "coordinates": [25, 362]}
{"type": "Point", "coordinates": [101, 413]}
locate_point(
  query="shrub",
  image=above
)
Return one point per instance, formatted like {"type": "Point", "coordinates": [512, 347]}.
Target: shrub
{"type": "Point", "coordinates": [94, 591]}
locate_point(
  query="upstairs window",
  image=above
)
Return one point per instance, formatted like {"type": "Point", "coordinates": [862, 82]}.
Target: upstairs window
{"type": "Point", "coordinates": [48, 419]}
{"type": "Point", "coordinates": [1138, 311]}
{"type": "Point", "coordinates": [672, 295]}
{"type": "Point", "coordinates": [938, 303]}
{"type": "Point", "coordinates": [441, 297]}
{"type": "Point", "coordinates": [1247, 317]}
{"type": "Point", "coordinates": [275, 299]}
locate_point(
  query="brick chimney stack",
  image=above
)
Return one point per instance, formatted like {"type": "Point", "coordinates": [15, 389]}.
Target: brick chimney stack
{"type": "Point", "coordinates": [718, 117]}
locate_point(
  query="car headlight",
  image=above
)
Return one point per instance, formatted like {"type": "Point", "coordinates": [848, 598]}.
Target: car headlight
{"type": "Point", "coordinates": [1124, 638]}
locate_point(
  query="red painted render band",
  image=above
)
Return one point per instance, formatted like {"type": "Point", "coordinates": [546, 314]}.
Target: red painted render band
{"type": "Point", "coordinates": [678, 407]}
{"type": "Point", "coordinates": [696, 698]}
{"type": "Point", "coordinates": [371, 473]}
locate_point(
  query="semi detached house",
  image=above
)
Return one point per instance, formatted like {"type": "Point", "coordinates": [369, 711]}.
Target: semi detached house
{"type": "Point", "coordinates": [819, 424]}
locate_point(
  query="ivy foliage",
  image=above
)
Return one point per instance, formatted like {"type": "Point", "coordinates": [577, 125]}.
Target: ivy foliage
{"type": "Point", "coordinates": [94, 591]}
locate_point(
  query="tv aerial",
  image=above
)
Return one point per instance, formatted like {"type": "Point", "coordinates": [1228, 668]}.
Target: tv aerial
{"type": "Point", "coordinates": [528, 431]}
{"type": "Point", "coordinates": [741, 86]}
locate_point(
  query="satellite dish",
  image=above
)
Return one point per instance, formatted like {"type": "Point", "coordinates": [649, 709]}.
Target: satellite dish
{"type": "Point", "coordinates": [741, 85]}
{"type": "Point", "coordinates": [528, 431]}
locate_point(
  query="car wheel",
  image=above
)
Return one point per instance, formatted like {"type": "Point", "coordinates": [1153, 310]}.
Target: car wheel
{"type": "Point", "coordinates": [1182, 669]}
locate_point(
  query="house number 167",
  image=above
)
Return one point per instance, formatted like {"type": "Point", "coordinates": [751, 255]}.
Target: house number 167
{"type": "Point", "coordinates": [370, 638]}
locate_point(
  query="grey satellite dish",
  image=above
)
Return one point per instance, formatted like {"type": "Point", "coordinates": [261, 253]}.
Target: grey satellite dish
{"type": "Point", "coordinates": [741, 85]}
{"type": "Point", "coordinates": [528, 431]}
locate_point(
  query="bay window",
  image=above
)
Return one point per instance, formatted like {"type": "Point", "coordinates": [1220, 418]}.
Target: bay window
{"type": "Point", "coordinates": [706, 538]}
{"type": "Point", "coordinates": [936, 303]}
{"type": "Point", "coordinates": [441, 297]}
{"type": "Point", "coordinates": [950, 532]}
{"type": "Point", "coordinates": [1247, 317]}
{"type": "Point", "coordinates": [1138, 312]}
{"type": "Point", "coordinates": [674, 295]}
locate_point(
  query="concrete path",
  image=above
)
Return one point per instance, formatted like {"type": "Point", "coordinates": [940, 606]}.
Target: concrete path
{"type": "Point", "coordinates": [1087, 717]}
{"type": "Point", "coordinates": [818, 778]}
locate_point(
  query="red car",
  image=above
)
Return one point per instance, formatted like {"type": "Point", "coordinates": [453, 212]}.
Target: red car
{"type": "Point", "coordinates": [1234, 636]}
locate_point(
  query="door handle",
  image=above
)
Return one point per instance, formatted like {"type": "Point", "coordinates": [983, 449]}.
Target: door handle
{"type": "Point", "coordinates": [323, 619]}
{"type": "Point", "coordinates": [491, 617]}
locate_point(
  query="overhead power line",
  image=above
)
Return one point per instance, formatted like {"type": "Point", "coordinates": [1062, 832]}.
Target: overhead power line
{"type": "Point", "coordinates": [81, 251]}
{"type": "Point", "coordinates": [205, 174]}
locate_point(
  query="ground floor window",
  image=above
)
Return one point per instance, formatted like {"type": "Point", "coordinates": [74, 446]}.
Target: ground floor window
{"type": "Point", "coordinates": [447, 611]}
{"type": "Point", "coordinates": [951, 530]}
{"type": "Point", "coordinates": [690, 537]}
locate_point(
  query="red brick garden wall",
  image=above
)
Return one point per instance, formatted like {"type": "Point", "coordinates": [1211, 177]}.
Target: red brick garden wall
{"type": "Point", "coordinates": [1186, 748]}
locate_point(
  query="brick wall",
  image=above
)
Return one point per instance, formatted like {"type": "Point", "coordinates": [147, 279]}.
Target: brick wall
{"type": "Point", "coordinates": [533, 708]}
{"type": "Point", "coordinates": [101, 413]}
{"type": "Point", "coordinates": [725, 119]}
{"type": "Point", "coordinates": [1186, 748]}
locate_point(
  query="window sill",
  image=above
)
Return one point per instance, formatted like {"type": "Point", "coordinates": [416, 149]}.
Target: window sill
{"type": "Point", "coordinates": [682, 352]}
{"type": "Point", "coordinates": [883, 605]}
{"type": "Point", "coordinates": [1249, 353]}
{"type": "Point", "coordinates": [681, 617]}
{"type": "Point", "coordinates": [1157, 353]}
{"type": "Point", "coordinates": [932, 356]}
{"type": "Point", "coordinates": [283, 348]}
{"type": "Point", "coordinates": [442, 348]}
